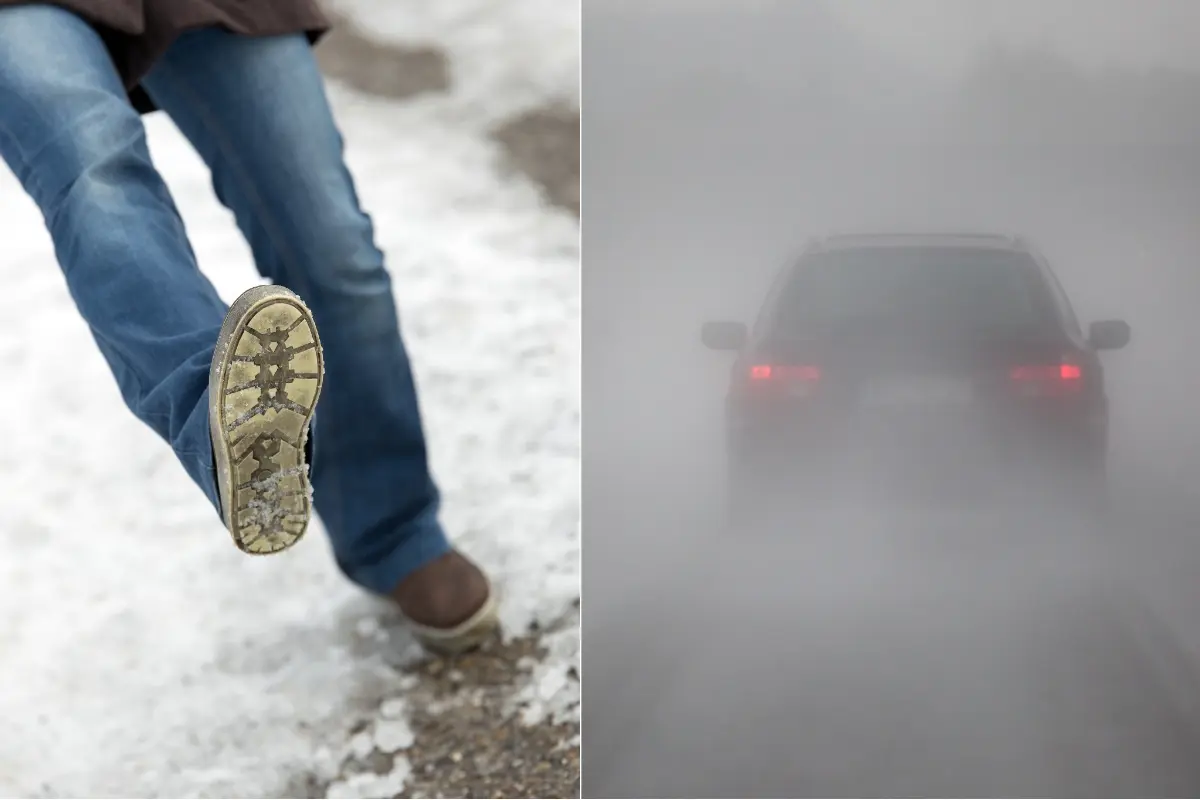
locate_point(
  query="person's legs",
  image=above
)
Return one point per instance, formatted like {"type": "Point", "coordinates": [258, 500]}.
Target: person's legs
{"type": "Point", "coordinates": [79, 149]}
{"type": "Point", "coordinates": [256, 110]}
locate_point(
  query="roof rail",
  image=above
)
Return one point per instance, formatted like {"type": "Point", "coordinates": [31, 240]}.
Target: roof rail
{"type": "Point", "coordinates": [935, 238]}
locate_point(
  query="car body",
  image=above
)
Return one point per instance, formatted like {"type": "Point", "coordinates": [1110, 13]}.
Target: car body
{"type": "Point", "coordinates": [954, 357]}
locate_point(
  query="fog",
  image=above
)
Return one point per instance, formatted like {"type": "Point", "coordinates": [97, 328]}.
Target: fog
{"type": "Point", "coordinates": [946, 34]}
{"type": "Point", "coordinates": [874, 650]}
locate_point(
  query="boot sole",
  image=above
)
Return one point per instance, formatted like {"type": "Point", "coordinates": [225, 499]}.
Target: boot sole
{"type": "Point", "coordinates": [266, 377]}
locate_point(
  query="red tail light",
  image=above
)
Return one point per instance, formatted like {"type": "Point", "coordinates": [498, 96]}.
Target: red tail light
{"type": "Point", "coordinates": [788, 372]}
{"type": "Point", "coordinates": [1048, 379]}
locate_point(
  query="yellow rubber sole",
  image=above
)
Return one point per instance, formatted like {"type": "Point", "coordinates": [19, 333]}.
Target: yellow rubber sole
{"type": "Point", "coordinates": [266, 377]}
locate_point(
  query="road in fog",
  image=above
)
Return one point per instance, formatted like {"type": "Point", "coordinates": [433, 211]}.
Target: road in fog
{"type": "Point", "coordinates": [876, 654]}
{"type": "Point", "coordinates": [883, 654]}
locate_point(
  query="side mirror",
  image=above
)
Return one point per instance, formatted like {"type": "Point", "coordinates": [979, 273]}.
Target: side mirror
{"type": "Point", "coordinates": [1112, 334]}
{"type": "Point", "coordinates": [723, 335]}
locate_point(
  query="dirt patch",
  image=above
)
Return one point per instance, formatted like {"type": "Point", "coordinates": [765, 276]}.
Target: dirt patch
{"type": "Point", "coordinates": [466, 745]}
{"type": "Point", "coordinates": [457, 731]}
{"type": "Point", "coordinates": [544, 145]}
{"type": "Point", "coordinates": [383, 69]}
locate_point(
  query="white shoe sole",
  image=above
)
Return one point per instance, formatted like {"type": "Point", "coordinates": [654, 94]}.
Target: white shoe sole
{"type": "Point", "coordinates": [464, 637]}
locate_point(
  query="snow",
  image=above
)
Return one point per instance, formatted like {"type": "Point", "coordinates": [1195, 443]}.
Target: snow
{"type": "Point", "coordinates": [551, 693]}
{"type": "Point", "coordinates": [504, 57]}
{"type": "Point", "coordinates": [371, 785]}
{"type": "Point", "coordinates": [392, 735]}
{"type": "Point", "coordinates": [141, 654]}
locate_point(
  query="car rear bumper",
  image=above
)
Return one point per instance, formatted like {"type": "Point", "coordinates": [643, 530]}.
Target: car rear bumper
{"type": "Point", "coordinates": [941, 454]}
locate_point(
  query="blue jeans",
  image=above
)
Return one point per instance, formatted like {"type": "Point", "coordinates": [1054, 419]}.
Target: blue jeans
{"type": "Point", "coordinates": [256, 111]}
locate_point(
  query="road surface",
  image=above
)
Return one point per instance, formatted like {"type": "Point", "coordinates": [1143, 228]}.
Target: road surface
{"type": "Point", "coordinates": [943, 654]}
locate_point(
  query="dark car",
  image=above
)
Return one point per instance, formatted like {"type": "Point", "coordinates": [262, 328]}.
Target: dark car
{"type": "Point", "coordinates": [880, 362]}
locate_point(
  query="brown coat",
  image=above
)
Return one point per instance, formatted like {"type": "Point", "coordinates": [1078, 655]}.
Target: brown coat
{"type": "Point", "coordinates": [138, 32]}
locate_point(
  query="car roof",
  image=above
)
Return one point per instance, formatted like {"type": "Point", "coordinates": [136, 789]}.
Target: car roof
{"type": "Point", "coordinates": [983, 241]}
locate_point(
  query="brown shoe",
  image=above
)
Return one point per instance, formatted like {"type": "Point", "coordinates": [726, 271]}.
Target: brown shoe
{"type": "Point", "coordinates": [449, 604]}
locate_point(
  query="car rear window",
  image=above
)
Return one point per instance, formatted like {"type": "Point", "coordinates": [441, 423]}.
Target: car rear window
{"type": "Point", "coordinates": [962, 289]}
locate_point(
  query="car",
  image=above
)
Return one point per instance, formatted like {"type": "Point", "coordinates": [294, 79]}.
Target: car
{"type": "Point", "coordinates": [906, 362]}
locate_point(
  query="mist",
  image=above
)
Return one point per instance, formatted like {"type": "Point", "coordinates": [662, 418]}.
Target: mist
{"type": "Point", "coordinates": [950, 651]}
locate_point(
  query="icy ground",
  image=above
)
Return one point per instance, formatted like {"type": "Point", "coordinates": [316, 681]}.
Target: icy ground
{"type": "Point", "coordinates": [140, 653]}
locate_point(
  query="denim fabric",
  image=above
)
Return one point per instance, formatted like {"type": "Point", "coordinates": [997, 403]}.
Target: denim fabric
{"type": "Point", "coordinates": [256, 111]}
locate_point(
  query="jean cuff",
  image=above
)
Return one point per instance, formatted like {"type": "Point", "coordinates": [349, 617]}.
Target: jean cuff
{"type": "Point", "coordinates": [418, 548]}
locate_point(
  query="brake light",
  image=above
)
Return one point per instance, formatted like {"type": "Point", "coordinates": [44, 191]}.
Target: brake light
{"type": "Point", "coordinates": [1048, 379]}
{"type": "Point", "coordinates": [766, 372]}
{"type": "Point", "coordinates": [1057, 372]}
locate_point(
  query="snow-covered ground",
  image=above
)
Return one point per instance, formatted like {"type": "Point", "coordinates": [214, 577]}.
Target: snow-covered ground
{"type": "Point", "coordinates": [140, 653]}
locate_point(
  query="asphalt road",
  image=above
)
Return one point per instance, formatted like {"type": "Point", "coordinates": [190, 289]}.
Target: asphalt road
{"type": "Point", "coordinates": [877, 654]}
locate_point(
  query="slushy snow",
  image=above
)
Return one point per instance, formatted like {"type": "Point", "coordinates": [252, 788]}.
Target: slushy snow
{"type": "Point", "coordinates": [141, 654]}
